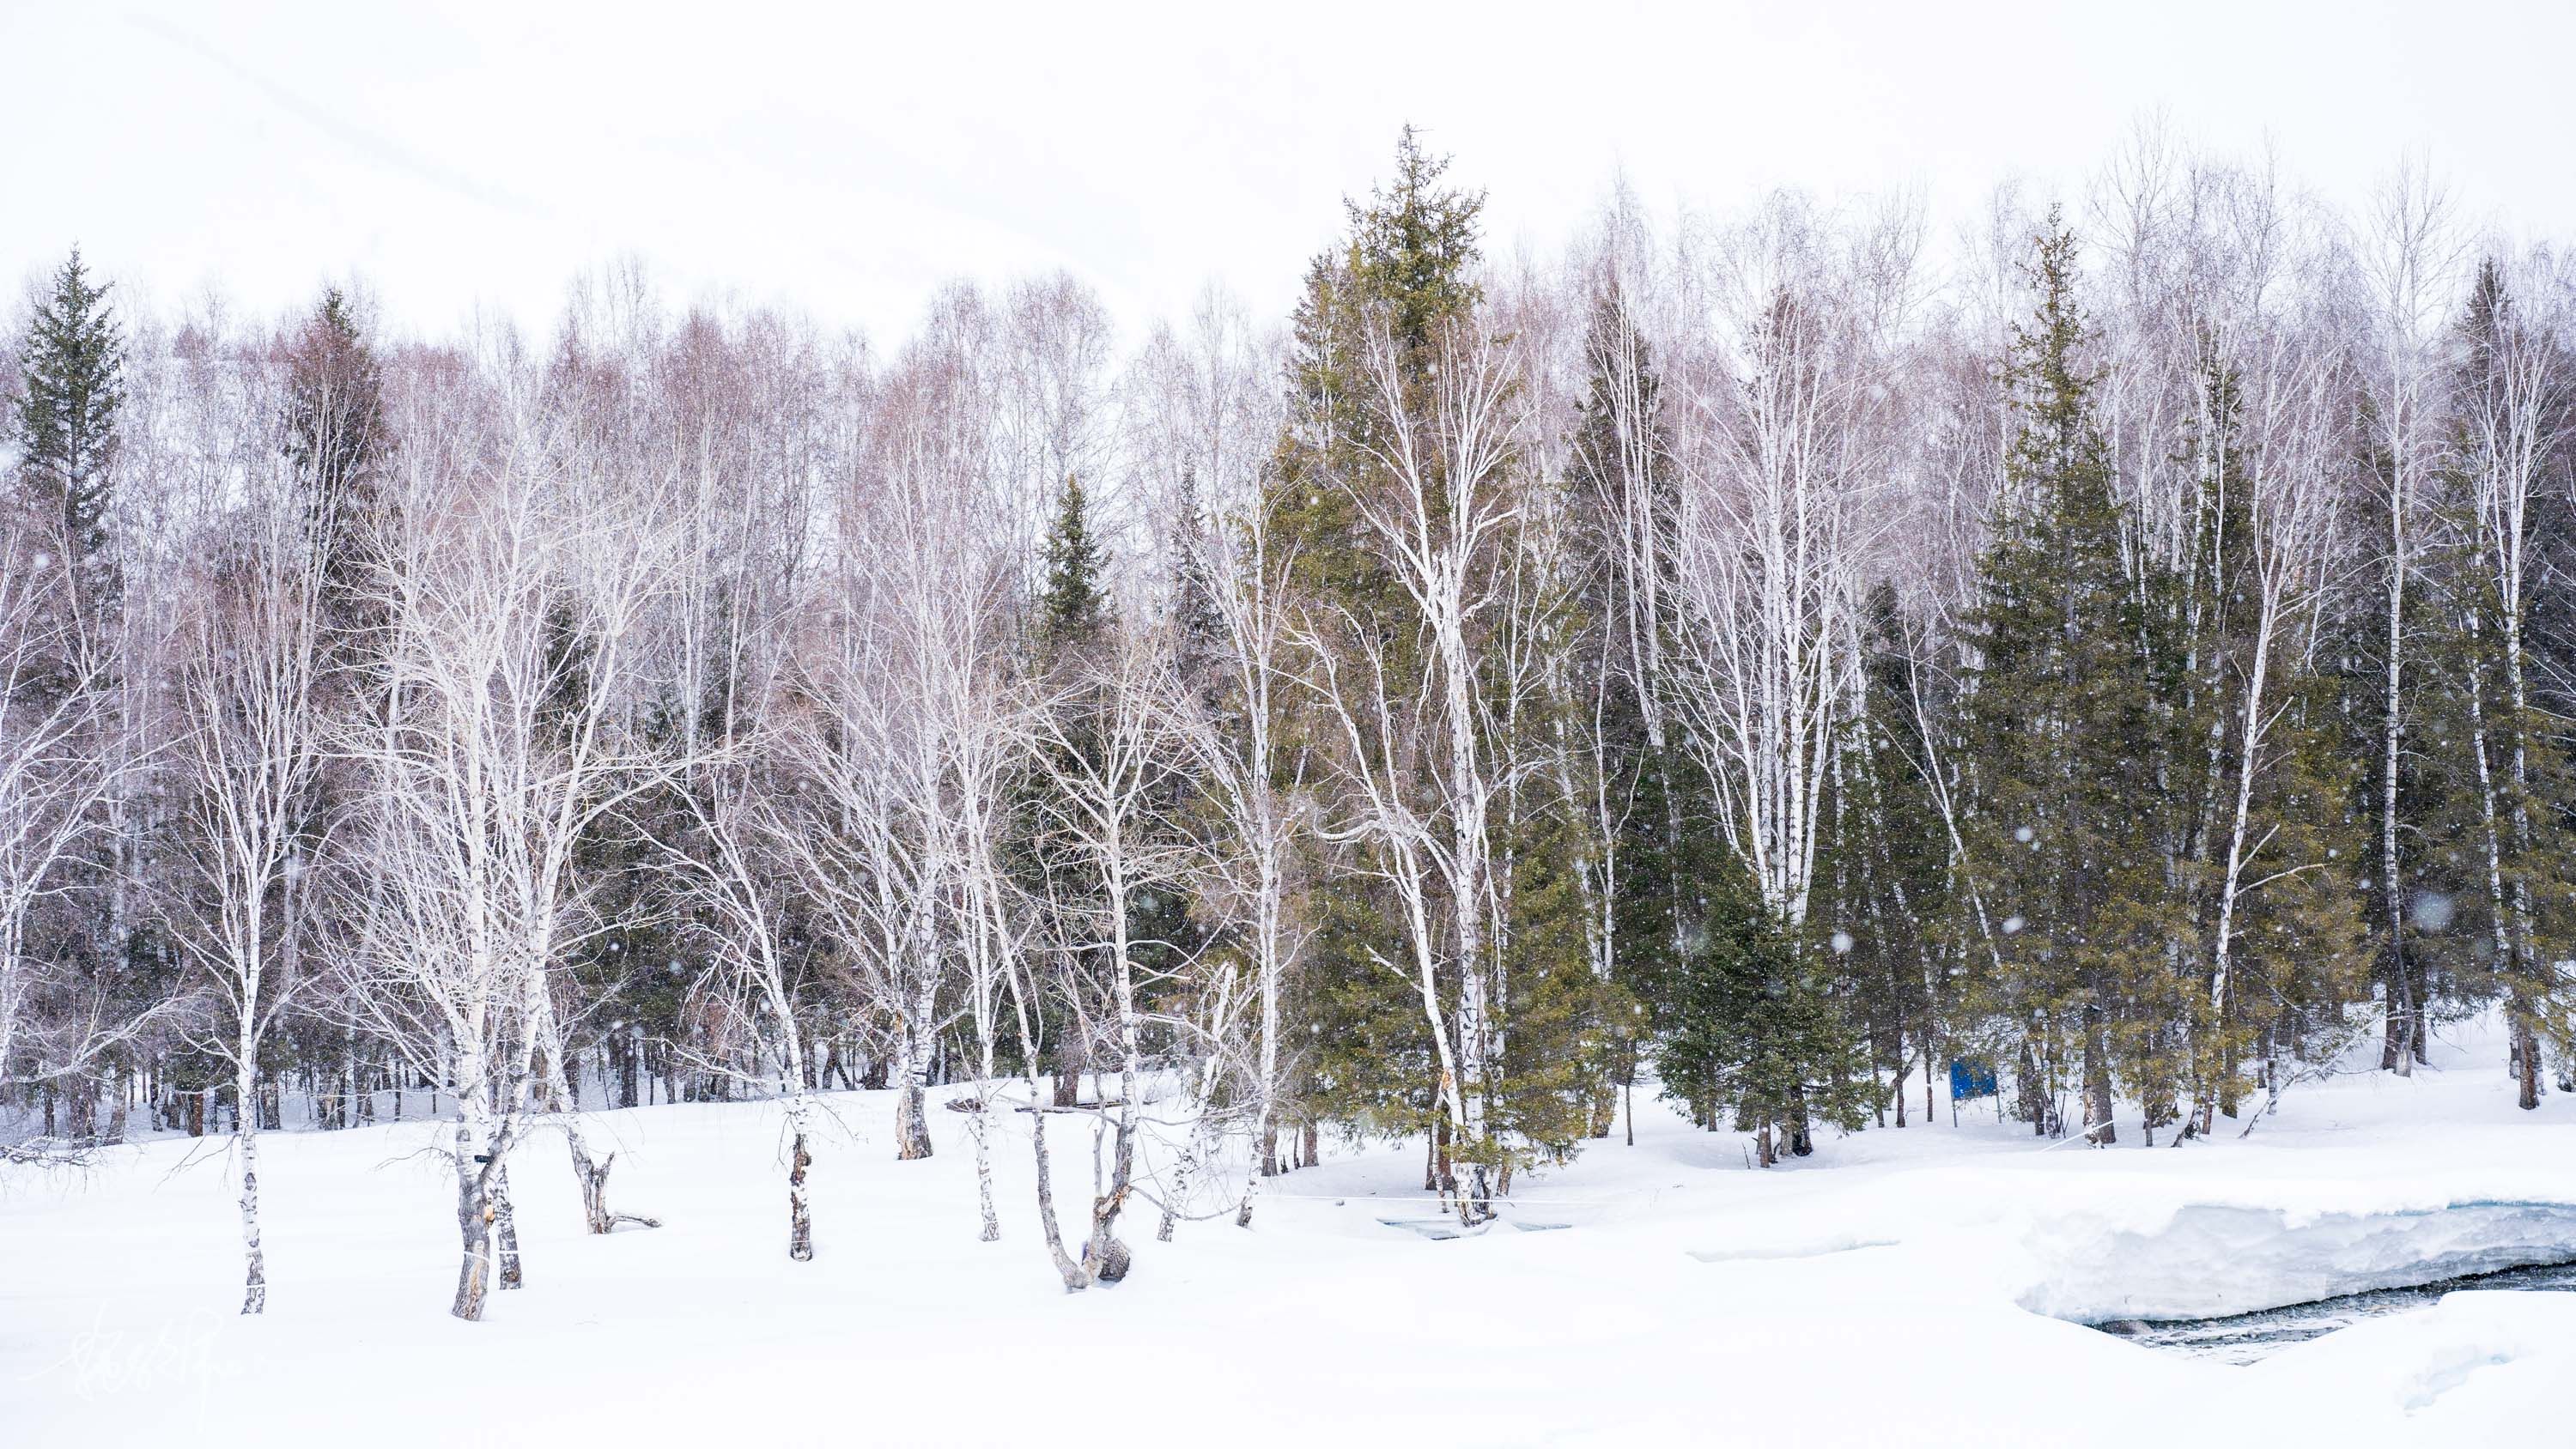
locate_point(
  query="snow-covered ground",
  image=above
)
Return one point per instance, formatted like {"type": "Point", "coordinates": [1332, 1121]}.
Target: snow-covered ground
{"type": "Point", "coordinates": [1906, 1287]}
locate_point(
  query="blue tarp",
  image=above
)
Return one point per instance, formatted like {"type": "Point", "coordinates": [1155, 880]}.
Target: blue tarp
{"type": "Point", "coordinates": [1969, 1080]}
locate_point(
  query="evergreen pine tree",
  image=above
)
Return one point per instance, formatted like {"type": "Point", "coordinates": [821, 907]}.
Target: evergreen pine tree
{"type": "Point", "coordinates": [1405, 264]}
{"type": "Point", "coordinates": [68, 413]}
{"type": "Point", "coordinates": [2061, 726]}
{"type": "Point", "coordinates": [74, 387]}
{"type": "Point", "coordinates": [1660, 846]}
{"type": "Point", "coordinates": [1169, 929]}
{"type": "Point", "coordinates": [2277, 928]}
{"type": "Point", "coordinates": [2417, 982]}
{"type": "Point", "coordinates": [1883, 879]}
{"type": "Point", "coordinates": [1198, 631]}
{"type": "Point", "coordinates": [336, 440]}
{"type": "Point", "coordinates": [1749, 1030]}
{"type": "Point", "coordinates": [2507, 925]}
{"type": "Point", "coordinates": [1072, 624]}
{"type": "Point", "coordinates": [1073, 608]}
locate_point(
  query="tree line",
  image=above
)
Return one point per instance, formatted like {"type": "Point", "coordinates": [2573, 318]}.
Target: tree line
{"type": "Point", "coordinates": [1760, 659]}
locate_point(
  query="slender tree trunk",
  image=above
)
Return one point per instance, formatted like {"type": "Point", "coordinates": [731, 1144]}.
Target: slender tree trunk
{"type": "Point", "coordinates": [1180, 1184]}
{"type": "Point", "coordinates": [2098, 1129]}
{"type": "Point", "coordinates": [1265, 1142]}
{"type": "Point", "coordinates": [1075, 1278]}
{"type": "Point", "coordinates": [2526, 943]}
{"type": "Point", "coordinates": [800, 1219]}
{"type": "Point", "coordinates": [474, 1209]}
{"type": "Point", "coordinates": [1073, 1045]}
{"type": "Point", "coordinates": [592, 1178]}
{"type": "Point", "coordinates": [911, 1115]}
{"type": "Point", "coordinates": [246, 1140]}
{"type": "Point", "coordinates": [1199, 1144]}
{"type": "Point", "coordinates": [1106, 1258]}
{"type": "Point", "coordinates": [2524, 1051]}
{"type": "Point", "coordinates": [505, 1228]}
{"type": "Point", "coordinates": [2397, 1054]}
{"type": "Point", "coordinates": [979, 1129]}
{"type": "Point", "coordinates": [2222, 983]}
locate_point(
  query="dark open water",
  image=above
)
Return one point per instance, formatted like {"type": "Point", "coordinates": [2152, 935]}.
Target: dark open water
{"type": "Point", "coordinates": [2246, 1337]}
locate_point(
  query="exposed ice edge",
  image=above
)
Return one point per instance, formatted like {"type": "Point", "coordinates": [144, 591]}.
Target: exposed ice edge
{"type": "Point", "coordinates": [1842, 1244]}
{"type": "Point", "coordinates": [2208, 1260]}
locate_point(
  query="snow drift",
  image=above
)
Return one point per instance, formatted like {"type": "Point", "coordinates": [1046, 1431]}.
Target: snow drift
{"type": "Point", "coordinates": [2210, 1260]}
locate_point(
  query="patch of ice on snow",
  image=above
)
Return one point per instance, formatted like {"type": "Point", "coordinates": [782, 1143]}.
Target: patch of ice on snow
{"type": "Point", "coordinates": [2442, 1376]}
{"type": "Point", "coordinates": [1775, 1254]}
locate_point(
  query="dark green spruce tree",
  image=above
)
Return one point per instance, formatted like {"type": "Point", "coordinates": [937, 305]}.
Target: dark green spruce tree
{"type": "Point", "coordinates": [1382, 313]}
{"type": "Point", "coordinates": [2256, 799]}
{"type": "Point", "coordinates": [68, 414]}
{"type": "Point", "coordinates": [2060, 727]}
{"type": "Point", "coordinates": [1406, 263]}
{"type": "Point", "coordinates": [336, 444]}
{"type": "Point", "coordinates": [1884, 873]}
{"type": "Point", "coordinates": [74, 388]}
{"type": "Point", "coordinates": [1656, 849]}
{"type": "Point", "coordinates": [1071, 625]}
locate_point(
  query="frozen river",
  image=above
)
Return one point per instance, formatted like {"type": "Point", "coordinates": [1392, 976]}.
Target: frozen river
{"type": "Point", "coordinates": [2247, 1337]}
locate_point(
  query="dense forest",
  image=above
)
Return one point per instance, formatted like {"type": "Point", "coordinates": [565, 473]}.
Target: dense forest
{"type": "Point", "coordinates": [2123, 648]}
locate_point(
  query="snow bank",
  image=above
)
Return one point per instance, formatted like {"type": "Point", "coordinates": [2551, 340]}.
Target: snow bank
{"type": "Point", "coordinates": [2209, 1260]}
{"type": "Point", "coordinates": [1876, 1293]}
{"type": "Point", "coordinates": [2478, 1368]}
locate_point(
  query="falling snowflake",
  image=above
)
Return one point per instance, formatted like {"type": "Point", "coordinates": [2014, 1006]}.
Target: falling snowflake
{"type": "Point", "coordinates": [2011, 924]}
{"type": "Point", "coordinates": [1842, 943]}
{"type": "Point", "coordinates": [2432, 911]}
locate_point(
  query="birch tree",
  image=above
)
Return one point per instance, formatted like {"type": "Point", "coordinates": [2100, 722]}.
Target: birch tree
{"type": "Point", "coordinates": [1109, 766]}
{"type": "Point", "coordinates": [2277, 869]}
{"type": "Point", "coordinates": [514, 593]}
{"type": "Point", "coordinates": [755, 985]}
{"type": "Point", "coordinates": [51, 787]}
{"type": "Point", "coordinates": [252, 754]}
{"type": "Point", "coordinates": [2405, 259]}
{"type": "Point", "coordinates": [1773, 522]}
{"type": "Point", "coordinates": [2513, 420]}
{"type": "Point", "coordinates": [1212, 417]}
{"type": "Point", "coordinates": [1440, 508]}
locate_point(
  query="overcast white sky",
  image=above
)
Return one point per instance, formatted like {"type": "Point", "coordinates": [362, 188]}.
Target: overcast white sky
{"type": "Point", "coordinates": [850, 157]}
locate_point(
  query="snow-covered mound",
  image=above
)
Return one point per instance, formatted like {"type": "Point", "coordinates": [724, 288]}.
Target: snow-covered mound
{"type": "Point", "coordinates": [2209, 1260]}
